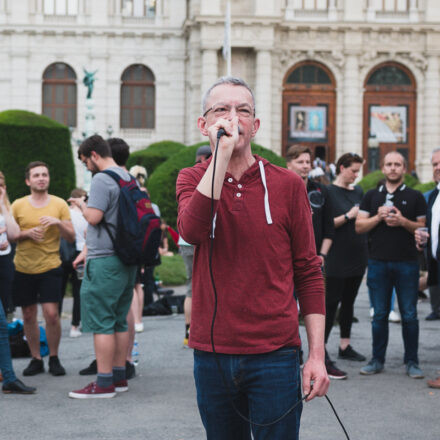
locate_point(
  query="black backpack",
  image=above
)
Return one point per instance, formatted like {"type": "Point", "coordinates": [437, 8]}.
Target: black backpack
{"type": "Point", "coordinates": [138, 230]}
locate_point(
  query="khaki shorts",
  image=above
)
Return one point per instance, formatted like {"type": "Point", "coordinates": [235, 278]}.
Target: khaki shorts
{"type": "Point", "coordinates": [106, 294]}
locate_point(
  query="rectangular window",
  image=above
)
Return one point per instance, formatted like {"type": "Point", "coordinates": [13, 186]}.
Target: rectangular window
{"type": "Point", "coordinates": [310, 5]}
{"type": "Point", "coordinates": [138, 8]}
{"type": "Point", "coordinates": [60, 7]}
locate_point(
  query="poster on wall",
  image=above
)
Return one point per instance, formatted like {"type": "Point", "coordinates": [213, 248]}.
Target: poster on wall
{"type": "Point", "coordinates": [388, 123]}
{"type": "Point", "coordinates": [308, 123]}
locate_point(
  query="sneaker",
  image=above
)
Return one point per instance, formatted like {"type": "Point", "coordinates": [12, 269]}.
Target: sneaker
{"type": "Point", "coordinates": [17, 387]}
{"type": "Point", "coordinates": [90, 370]}
{"type": "Point", "coordinates": [139, 327]}
{"type": "Point", "coordinates": [121, 386]}
{"type": "Point", "coordinates": [36, 366]}
{"type": "Point", "coordinates": [55, 367]}
{"type": "Point", "coordinates": [350, 354]}
{"type": "Point", "coordinates": [432, 316]}
{"type": "Point", "coordinates": [333, 371]}
{"type": "Point", "coordinates": [75, 332]}
{"type": "Point", "coordinates": [371, 312]}
{"type": "Point", "coordinates": [130, 370]}
{"type": "Point", "coordinates": [92, 391]}
{"type": "Point", "coordinates": [413, 370]}
{"type": "Point", "coordinates": [373, 367]}
{"type": "Point", "coordinates": [394, 317]}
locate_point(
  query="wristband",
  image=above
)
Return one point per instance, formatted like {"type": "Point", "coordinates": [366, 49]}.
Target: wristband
{"type": "Point", "coordinates": [322, 255]}
{"type": "Point", "coordinates": [347, 218]}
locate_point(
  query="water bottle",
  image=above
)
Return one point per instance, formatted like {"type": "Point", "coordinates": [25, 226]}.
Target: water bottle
{"type": "Point", "coordinates": [135, 352]}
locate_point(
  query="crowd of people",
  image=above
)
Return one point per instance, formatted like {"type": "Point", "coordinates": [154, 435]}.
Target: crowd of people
{"type": "Point", "coordinates": [383, 231]}
{"type": "Point", "coordinates": [287, 233]}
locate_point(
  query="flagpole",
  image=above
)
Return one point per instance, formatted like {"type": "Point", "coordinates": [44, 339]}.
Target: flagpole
{"type": "Point", "coordinates": [227, 42]}
{"type": "Point", "coordinates": [229, 39]}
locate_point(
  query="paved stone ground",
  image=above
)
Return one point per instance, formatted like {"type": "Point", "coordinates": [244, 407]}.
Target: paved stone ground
{"type": "Point", "coordinates": [161, 401]}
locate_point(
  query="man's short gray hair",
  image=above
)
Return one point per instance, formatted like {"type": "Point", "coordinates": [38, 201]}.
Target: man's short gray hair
{"type": "Point", "coordinates": [435, 150]}
{"type": "Point", "coordinates": [232, 80]}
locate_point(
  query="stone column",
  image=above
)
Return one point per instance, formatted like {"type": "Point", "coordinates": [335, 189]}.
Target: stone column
{"type": "Point", "coordinates": [332, 11]}
{"type": "Point", "coordinates": [352, 105]}
{"type": "Point", "coordinates": [263, 97]}
{"type": "Point", "coordinates": [430, 119]}
{"type": "Point", "coordinates": [209, 69]}
{"type": "Point", "coordinates": [290, 11]}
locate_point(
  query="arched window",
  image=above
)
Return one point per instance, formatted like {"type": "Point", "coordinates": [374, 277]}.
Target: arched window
{"type": "Point", "coordinates": [59, 93]}
{"type": "Point", "coordinates": [389, 75]}
{"type": "Point", "coordinates": [309, 74]}
{"type": "Point", "coordinates": [137, 97]}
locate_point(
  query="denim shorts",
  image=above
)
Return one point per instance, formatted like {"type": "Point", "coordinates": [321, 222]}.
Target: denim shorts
{"type": "Point", "coordinates": [106, 294]}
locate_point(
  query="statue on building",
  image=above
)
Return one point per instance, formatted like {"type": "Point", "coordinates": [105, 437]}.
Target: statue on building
{"type": "Point", "coordinates": [88, 81]}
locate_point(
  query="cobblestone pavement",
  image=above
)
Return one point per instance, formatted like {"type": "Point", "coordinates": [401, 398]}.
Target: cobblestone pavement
{"type": "Point", "coordinates": [161, 401]}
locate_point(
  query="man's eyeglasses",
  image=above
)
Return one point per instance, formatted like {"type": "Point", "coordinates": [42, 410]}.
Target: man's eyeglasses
{"type": "Point", "coordinates": [222, 110]}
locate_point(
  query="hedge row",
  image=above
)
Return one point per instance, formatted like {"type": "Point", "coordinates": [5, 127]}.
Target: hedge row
{"type": "Point", "coordinates": [27, 137]}
{"type": "Point", "coordinates": [371, 181]}
{"type": "Point", "coordinates": [162, 183]}
{"type": "Point", "coordinates": [154, 155]}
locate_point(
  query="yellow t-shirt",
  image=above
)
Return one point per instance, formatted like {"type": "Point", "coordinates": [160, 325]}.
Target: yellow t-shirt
{"type": "Point", "coordinates": [34, 257]}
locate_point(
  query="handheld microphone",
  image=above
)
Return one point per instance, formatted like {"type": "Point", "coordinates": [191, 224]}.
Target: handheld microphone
{"type": "Point", "coordinates": [221, 132]}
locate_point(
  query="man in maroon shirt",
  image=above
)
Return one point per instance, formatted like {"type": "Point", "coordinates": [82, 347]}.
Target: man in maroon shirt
{"type": "Point", "coordinates": [263, 247]}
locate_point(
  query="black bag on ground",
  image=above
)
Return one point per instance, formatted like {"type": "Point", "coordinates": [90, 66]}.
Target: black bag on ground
{"type": "Point", "coordinates": [163, 306]}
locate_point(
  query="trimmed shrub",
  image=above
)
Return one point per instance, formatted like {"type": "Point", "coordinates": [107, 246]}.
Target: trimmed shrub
{"type": "Point", "coordinates": [371, 180]}
{"type": "Point", "coordinates": [155, 154]}
{"type": "Point", "coordinates": [425, 187]}
{"type": "Point", "coordinates": [27, 137]}
{"type": "Point", "coordinates": [162, 184]}
{"type": "Point", "coordinates": [172, 271]}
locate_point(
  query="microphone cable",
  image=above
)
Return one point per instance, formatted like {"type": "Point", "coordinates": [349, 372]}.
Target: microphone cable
{"type": "Point", "coordinates": [220, 133]}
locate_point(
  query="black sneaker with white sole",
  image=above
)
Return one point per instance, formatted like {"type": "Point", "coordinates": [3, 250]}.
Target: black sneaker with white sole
{"type": "Point", "coordinates": [334, 372]}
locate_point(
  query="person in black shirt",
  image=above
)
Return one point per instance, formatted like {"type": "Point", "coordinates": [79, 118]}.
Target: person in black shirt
{"type": "Point", "coordinates": [390, 214]}
{"type": "Point", "coordinates": [299, 160]}
{"type": "Point", "coordinates": [347, 258]}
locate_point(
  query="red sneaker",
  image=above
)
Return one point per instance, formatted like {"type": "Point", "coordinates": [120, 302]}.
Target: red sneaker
{"type": "Point", "coordinates": [92, 391]}
{"type": "Point", "coordinates": [121, 386]}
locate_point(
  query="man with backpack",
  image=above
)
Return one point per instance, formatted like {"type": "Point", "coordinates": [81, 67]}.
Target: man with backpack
{"type": "Point", "coordinates": [107, 287]}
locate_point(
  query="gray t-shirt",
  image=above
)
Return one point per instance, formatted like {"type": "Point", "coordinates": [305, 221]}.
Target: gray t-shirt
{"type": "Point", "coordinates": [104, 195]}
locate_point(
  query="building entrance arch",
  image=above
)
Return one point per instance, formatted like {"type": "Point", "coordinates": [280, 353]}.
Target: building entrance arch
{"type": "Point", "coordinates": [309, 109]}
{"type": "Point", "coordinates": [389, 122]}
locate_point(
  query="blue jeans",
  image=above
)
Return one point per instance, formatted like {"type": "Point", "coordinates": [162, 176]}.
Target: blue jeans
{"type": "Point", "coordinates": [404, 277]}
{"type": "Point", "coordinates": [262, 386]}
{"type": "Point", "coordinates": [5, 352]}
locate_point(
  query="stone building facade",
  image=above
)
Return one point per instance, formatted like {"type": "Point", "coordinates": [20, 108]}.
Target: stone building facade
{"type": "Point", "coordinates": [340, 75]}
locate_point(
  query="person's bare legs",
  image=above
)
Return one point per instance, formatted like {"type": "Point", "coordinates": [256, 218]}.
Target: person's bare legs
{"type": "Point", "coordinates": [31, 329]}
{"type": "Point", "coordinates": [131, 332]}
{"type": "Point", "coordinates": [53, 327]}
{"type": "Point", "coordinates": [138, 302]}
{"type": "Point", "coordinates": [105, 346]}
{"type": "Point", "coordinates": [187, 305]}
{"type": "Point", "coordinates": [121, 346]}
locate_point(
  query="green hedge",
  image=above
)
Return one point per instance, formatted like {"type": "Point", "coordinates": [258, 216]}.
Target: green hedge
{"type": "Point", "coordinates": [162, 183]}
{"type": "Point", "coordinates": [425, 187]}
{"type": "Point", "coordinates": [371, 180]}
{"type": "Point", "coordinates": [155, 154]}
{"type": "Point", "coordinates": [27, 137]}
{"type": "Point", "coordinates": [172, 271]}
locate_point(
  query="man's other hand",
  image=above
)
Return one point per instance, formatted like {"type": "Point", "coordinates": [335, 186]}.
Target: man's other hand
{"type": "Point", "coordinates": [315, 379]}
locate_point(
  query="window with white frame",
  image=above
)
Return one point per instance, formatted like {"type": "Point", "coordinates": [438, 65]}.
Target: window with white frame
{"type": "Point", "coordinates": [310, 5]}
{"type": "Point", "coordinates": [389, 5]}
{"type": "Point", "coordinates": [60, 7]}
{"type": "Point", "coordinates": [138, 8]}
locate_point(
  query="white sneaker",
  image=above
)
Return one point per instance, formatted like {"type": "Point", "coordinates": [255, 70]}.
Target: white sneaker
{"type": "Point", "coordinates": [371, 312]}
{"type": "Point", "coordinates": [394, 317]}
{"type": "Point", "coordinates": [138, 327]}
{"type": "Point", "coordinates": [75, 332]}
